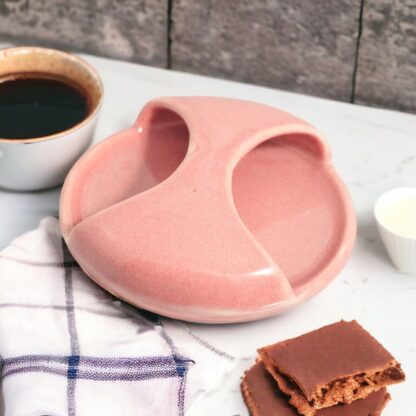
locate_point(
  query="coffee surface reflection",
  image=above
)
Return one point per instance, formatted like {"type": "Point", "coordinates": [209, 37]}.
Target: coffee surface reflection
{"type": "Point", "coordinates": [37, 106]}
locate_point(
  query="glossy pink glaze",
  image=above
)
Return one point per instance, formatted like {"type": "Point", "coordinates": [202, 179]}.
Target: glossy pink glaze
{"type": "Point", "coordinates": [209, 210]}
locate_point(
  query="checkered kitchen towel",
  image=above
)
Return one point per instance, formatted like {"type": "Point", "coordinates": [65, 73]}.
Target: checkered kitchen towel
{"type": "Point", "coordinates": [69, 348]}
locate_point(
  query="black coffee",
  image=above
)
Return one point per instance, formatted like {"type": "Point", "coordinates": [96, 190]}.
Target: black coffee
{"type": "Point", "coordinates": [36, 107]}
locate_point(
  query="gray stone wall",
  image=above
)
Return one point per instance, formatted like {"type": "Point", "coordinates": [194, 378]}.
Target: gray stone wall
{"type": "Point", "coordinates": [296, 45]}
{"type": "Point", "coordinates": [386, 73]}
{"type": "Point", "coordinates": [134, 30]}
{"type": "Point", "coordinates": [350, 50]}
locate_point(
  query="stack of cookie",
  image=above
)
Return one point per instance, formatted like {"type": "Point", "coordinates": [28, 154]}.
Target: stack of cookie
{"type": "Point", "coordinates": [338, 370]}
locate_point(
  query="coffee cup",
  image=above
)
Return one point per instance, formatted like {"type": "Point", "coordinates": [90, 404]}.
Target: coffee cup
{"type": "Point", "coordinates": [42, 161]}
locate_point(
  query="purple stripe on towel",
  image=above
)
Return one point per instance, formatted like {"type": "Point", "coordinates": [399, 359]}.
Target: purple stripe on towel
{"type": "Point", "coordinates": [103, 362]}
{"type": "Point", "coordinates": [93, 373]}
{"type": "Point", "coordinates": [72, 330]}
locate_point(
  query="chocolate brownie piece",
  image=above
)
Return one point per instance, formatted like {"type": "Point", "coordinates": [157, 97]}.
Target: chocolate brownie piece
{"type": "Point", "coordinates": [263, 398]}
{"type": "Point", "coordinates": [338, 363]}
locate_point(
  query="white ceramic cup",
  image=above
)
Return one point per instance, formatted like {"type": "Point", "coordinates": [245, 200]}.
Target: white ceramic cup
{"type": "Point", "coordinates": [395, 213]}
{"type": "Point", "coordinates": [43, 162]}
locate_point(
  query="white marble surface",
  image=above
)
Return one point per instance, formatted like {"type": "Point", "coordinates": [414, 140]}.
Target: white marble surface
{"type": "Point", "coordinates": [374, 150]}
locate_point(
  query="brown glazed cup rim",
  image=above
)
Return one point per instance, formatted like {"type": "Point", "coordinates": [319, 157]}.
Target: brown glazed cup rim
{"type": "Point", "coordinates": [70, 57]}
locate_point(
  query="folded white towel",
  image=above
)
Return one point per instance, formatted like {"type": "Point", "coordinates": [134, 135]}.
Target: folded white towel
{"type": "Point", "coordinates": [70, 348]}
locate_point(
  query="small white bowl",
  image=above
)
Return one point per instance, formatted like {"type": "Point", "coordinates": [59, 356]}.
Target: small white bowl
{"type": "Point", "coordinates": [43, 162]}
{"type": "Point", "coordinates": [395, 213]}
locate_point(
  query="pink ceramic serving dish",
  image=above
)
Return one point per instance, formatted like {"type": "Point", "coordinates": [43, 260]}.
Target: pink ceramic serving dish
{"type": "Point", "coordinates": [209, 210]}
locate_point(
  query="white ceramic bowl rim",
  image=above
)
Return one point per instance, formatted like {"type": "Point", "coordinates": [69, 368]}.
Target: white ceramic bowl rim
{"type": "Point", "coordinates": [393, 194]}
{"type": "Point", "coordinates": [80, 61]}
